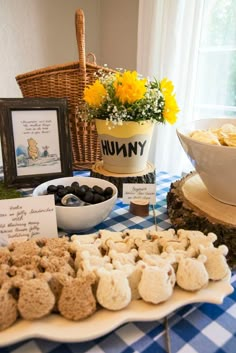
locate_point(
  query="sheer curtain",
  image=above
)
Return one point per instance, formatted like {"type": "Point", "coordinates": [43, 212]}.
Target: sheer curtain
{"type": "Point", "coordinates": [168, 41]}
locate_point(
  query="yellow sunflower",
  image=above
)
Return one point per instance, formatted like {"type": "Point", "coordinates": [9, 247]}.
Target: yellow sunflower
{"type": "Point", "coordinates": [171, 107]}
{"type": "Point", "coordinates": [128, 87]}
{"type": "Point", "coordinates": [95, 94]}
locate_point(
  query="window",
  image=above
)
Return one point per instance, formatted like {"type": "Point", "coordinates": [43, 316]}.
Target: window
{"type": "Point", "coordinates": [216, 73]}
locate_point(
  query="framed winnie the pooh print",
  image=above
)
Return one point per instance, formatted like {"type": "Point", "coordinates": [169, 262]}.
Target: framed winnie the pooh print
{"type": "Point", "coordinates": [35, 140]}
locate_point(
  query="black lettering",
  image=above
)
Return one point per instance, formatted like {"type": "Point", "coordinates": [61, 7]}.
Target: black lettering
{"type": "Point", "coordinates": [133, 148]}
{"type": "Point", "coordinates": [120, 149]}
{"type": "Point", "coordinates": [104, 147]}
{"type": "Point", "coordinates": [111, 148]}
{"type": "Point", "coordinates": [142, 146]}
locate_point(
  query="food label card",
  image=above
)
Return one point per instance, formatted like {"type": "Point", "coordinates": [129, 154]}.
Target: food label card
{"type": "Point", "coordinates": [25, 218]}
{"type": "Point", "coordinates": [139, 191]}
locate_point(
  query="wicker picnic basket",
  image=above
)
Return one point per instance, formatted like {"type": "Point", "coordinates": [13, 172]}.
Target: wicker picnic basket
{"type": "Point", "coordinates": [68, 81]}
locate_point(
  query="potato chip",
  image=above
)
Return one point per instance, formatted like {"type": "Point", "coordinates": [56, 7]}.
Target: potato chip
{"type": "Point", "coordinates": [205, 136]}
{"type": "Point", "coordinates": [230, 140]}
{"type": "Point", "coordinates": [224, 136]}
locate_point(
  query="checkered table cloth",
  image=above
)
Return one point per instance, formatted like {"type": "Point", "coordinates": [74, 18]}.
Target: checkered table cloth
{"type": "Point", "coordinates": [201, 328]}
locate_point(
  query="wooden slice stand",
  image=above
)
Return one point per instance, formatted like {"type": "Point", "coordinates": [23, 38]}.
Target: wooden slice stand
{"type": "Point", "coordinates": [190, 206]}
{"type": "Point", "coordinates": [147, 176]}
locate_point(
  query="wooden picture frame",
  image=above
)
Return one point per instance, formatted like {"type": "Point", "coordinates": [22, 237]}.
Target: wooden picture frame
{"type": "Point", "coordinates": [35, 140]}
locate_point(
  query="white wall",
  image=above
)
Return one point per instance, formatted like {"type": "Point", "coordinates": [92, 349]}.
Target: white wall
{"type": "Point", "coordinates": [119, 24]}
{"type": "Point", "coordinates": [39, 33]}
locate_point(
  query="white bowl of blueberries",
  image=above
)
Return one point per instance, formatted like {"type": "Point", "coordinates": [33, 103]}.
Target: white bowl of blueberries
{"type": "Point", "coordinates": [81, 202]}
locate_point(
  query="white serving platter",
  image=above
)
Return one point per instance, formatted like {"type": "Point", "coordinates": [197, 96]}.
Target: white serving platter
{"type": "Point", "coordinates": [56, 328]}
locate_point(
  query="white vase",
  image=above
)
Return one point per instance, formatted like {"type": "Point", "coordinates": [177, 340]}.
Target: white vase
{"type": "Point", "coordinates": [125, 148]}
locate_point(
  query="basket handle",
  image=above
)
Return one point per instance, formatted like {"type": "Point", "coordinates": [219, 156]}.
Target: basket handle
{"type": "Point", "coordinates": [80, 36]}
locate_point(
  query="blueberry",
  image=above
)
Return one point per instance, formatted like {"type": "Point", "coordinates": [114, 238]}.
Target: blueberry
{"type": "Point", "coordinates": [57, 199]}
{"type": "Point", "coordinates": [70, 190]}
{"type": "Point", "coordinates": [81, 191]}
{"type": "Point", "coordinates": [60, 187]}
{"type": "Point", "coordinates": [88, 197]}
{"type": "Point", "coordinates": [76, 190]}
{"type": "Point", "coordinates": [108, 191]}
{"type": "Point", "coordinates": [61, 192]}
{"type": "Point", "coordinates": [98, 198]}
{"type": "Point", "coordinates": [51, 189]}
{"type": "Point", "coordinates": [86, 187]}
{"type": "Point", "coordinates": [98, 190]}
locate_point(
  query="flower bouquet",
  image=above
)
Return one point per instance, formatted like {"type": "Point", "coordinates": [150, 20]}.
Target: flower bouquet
{"type": "Point", "coordinates": [125, 107]}
{"type": "Point", "coordinates": [126, 96]}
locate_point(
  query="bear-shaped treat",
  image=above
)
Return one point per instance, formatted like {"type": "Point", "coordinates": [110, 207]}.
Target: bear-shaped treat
{"type": "Point", "coordinates": [33, 150]}
{"type": "Point", "coordinates": [168, 234]}
{"type": "Point", "coordinates": [36, 299]}
{"type": "Point", "coordinates": [5, 255]}
{"type": "Point", "coordinates": [113, 290]}
{"type": "Point", "coordinates": [124, 258]}
{"type": "Point", "coordinates": [191, 274]}
{"type": "Point", "coordinates": [54, 246]}
{"type": "Point", "coordinates": [80, 248]}
{"type": "Point", "coordinates": [54, 264]}
{"type": "Point", "coordinates": [197, 238]}
{"type": "Point", "coordinates": [77, 300]}
{"type": "Point", "coordinates": [120, 246]}
{"type": "Point", "coordinates": [133, 274]}
{"type": "Point", "coordinates": [85, 239]}
{"type": "Point", "coordinates": [156, 284]}
{"type": "Point", "coordinates": [8, 307]}
{"type": "Point", "coordinates": [23, 252]}
{"type": "Point", "coordinates": [25, 272]}
{"type": "Point", "coordinates": [5, 274]}
{"type": "Point", "coordinates": [90, 263]}
{"type": "Point", "coordinates": [216, 264]}
{"type": "Point", "coordinates": [149, 246]}
{"type": "Point", "coordinates": [105, 235]}
{"type": "Point", "coordinates": [134, 234]}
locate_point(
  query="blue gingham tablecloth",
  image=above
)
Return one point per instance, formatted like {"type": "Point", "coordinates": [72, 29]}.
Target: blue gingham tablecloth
{"type": "Point", "coordinates": [200, 328]}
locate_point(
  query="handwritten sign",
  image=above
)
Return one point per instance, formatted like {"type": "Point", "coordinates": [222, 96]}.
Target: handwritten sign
{"type": "Point", "coordinates": [139, 192]}
{"type": "Point", "coordinates": [25, 218]}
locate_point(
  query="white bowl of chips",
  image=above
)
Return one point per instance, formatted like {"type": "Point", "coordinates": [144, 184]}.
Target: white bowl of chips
{"type": "Point", "coordinates": [210, 144]}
